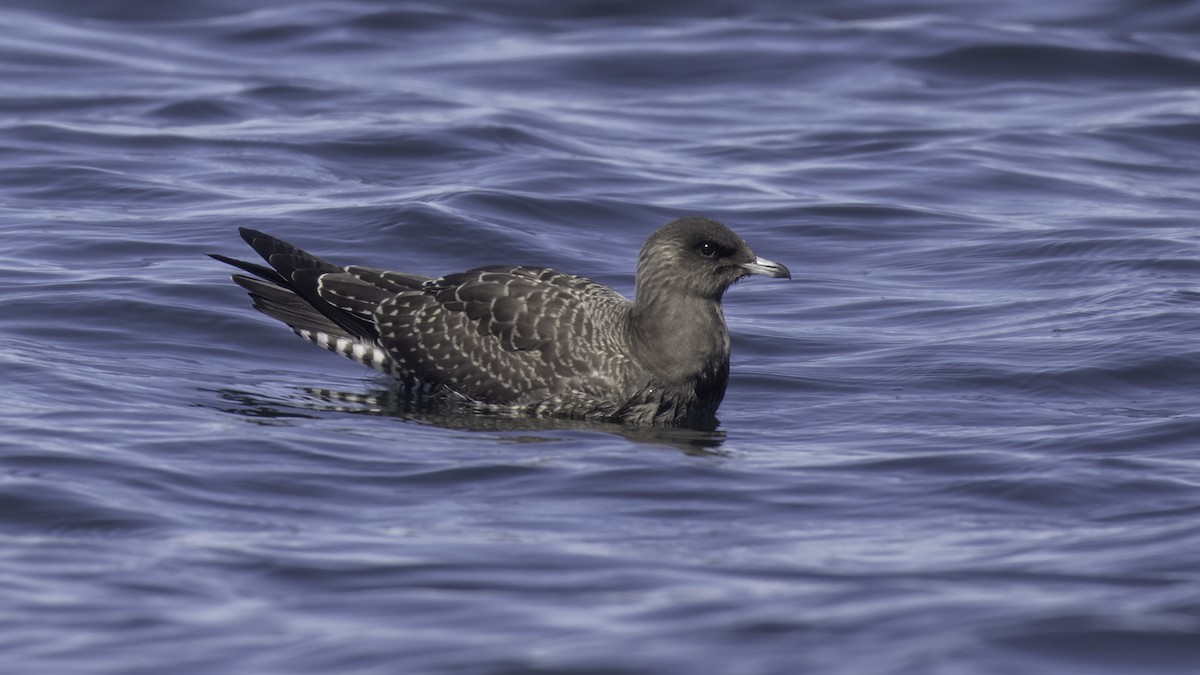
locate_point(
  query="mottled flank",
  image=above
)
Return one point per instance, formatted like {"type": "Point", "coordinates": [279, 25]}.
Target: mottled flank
{"type": "Point", "coordinates": [526, 339]}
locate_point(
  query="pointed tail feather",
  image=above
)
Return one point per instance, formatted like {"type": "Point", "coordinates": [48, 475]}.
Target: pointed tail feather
{"type": "Point", "coordinates": [283, 305]}
{"type": "Point", "coordinates": [320, 301]}
{"type": "Point", "coordinates": [293, 272]}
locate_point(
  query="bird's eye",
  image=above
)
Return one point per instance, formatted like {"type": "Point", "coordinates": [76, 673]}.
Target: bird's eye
{"type": "Point", "coordinates": [707, 249]}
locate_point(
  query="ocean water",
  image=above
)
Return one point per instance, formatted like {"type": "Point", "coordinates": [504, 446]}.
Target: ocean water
{"type": "Point", "coordinates": [963, 440]}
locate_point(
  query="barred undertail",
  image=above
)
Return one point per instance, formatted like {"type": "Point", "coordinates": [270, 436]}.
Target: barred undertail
{"type": "Point", "coordinates": [362, 352]}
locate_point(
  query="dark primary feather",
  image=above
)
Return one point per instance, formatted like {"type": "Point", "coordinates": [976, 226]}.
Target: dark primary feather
{"type": "Point", "coordinates": [528, 339]}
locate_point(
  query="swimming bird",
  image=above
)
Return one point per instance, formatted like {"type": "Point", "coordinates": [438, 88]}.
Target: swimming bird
{"type": "Point", "coordinates": [528, 340]}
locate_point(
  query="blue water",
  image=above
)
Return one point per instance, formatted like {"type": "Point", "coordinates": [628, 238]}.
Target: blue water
{"type": "Point", "coordinates": [963, 440]}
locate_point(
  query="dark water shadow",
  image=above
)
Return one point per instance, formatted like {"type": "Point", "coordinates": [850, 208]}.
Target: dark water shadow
{"type": "Point", "coordinates": [312, 402]}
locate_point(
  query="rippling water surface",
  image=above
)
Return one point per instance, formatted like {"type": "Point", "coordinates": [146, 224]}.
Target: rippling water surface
{"type": "Point", "coordinates": [963, 440]}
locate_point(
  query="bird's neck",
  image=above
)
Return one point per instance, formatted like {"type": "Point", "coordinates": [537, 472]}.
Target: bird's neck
{"type": "Point", "coordinates": [686, 336]}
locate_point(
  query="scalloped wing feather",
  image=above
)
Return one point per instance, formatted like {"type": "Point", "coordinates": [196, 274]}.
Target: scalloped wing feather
{"type": "Point", "coordinates": [501, 334]}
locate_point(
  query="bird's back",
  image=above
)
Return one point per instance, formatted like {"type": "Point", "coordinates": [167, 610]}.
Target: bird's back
{"type": "Point", "coordinates": [509, 335]}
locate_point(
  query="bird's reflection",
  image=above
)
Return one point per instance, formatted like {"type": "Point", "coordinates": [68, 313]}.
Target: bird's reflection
{"type": "Point", "coordinates": [310, 402]}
